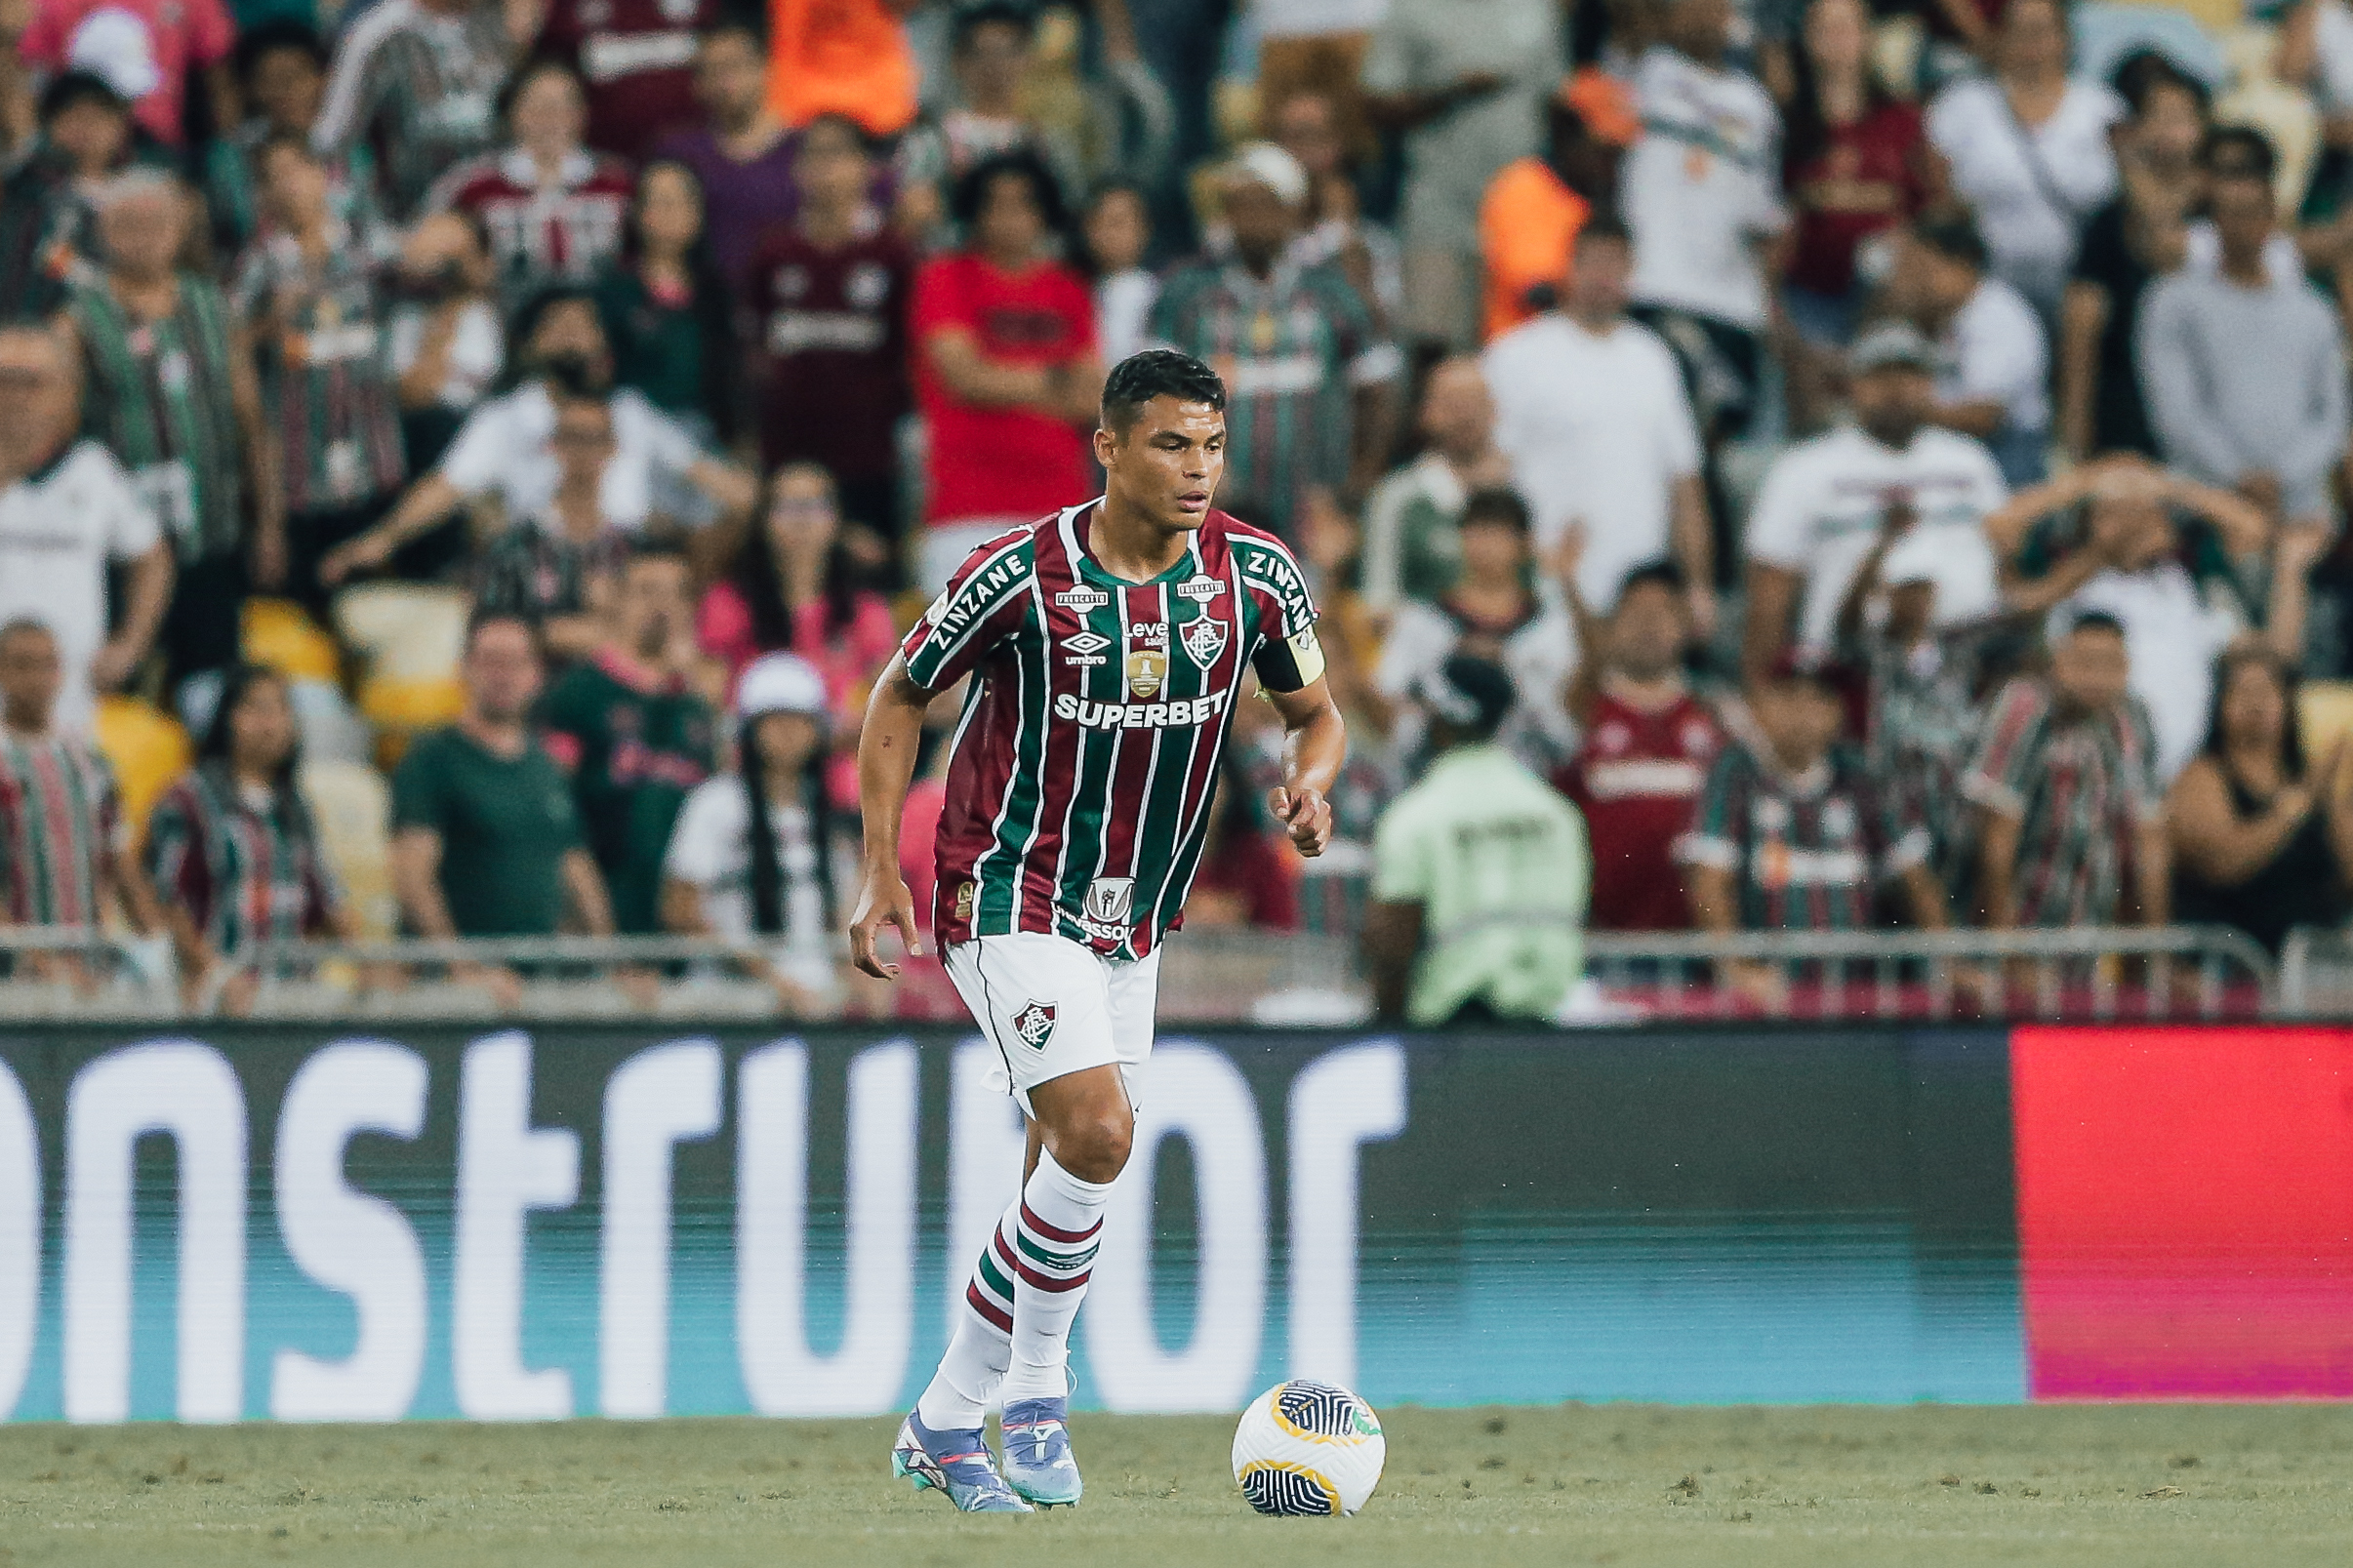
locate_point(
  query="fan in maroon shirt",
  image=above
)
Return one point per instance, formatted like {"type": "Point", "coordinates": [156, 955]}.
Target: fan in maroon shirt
{"type": "Point", "coordinates": [554, 210]}
{"type": "Point", "coordinates": [636, 57]}
{"type": "Point", "coordinates": [829, 294]}
{"type": "Point", "coordinates": [1649, 744]}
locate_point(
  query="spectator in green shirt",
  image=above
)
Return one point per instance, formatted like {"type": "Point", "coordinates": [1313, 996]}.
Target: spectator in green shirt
{"type": "Point", "coordinates": [486, 840]}
{"type": "Point", "coordinates": [1481, 871]}
{"type": "Point", "coordinates": [633, 733]}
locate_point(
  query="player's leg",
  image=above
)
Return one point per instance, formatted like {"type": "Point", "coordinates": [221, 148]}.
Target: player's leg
{"type": "Point", "coordinates": [981, 1347]}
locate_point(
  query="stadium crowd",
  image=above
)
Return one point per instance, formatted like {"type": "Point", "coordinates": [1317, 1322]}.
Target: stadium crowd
{"type": "Point", "coordinates": [466, 461]}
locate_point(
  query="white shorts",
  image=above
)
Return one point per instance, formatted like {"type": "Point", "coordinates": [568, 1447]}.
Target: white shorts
{"type": "Point", "coordinates": [1052, 1007]}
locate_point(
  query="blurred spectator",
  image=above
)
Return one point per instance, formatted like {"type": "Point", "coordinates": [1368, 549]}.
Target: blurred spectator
{"type": "Point", "coordinates": [1648, 746]}
{"type": "Point", "coordinates": [829, 293]}
{"type": "Point", "coordinates": [487, 842]}
{"type": "Point", "coordinates": [234, 852]}
{"type": "Point", "coordinates": [841, 57]}
{"type": "Point", "coordinates": [637, 59]}
{"type": "Point", "coordinates": [672, 318]}
{"type": "Point", "coordinates": [1006, 369]}
{"type": "Point", "coordinates": [633, 734]}
{"type": "Point", "coordinates": [311, 292]}
{"type": "Point", "coordinates": [556, 571]}
{"type": "Point", "coordinates": [2243, 374]}
{"type": "Point", "coordinates": [1314, 49]}
{"type": "Point", "coordinates": [1994, 383]}
{"type": "Point", "coordinates": [1245, 880]}
{"type": "Point", "coordinates": [48, 200]}
{"type": "Point", "coordinates": [447, 343]}
{"type": "Point", "coordinates": [1529, 218]}
{"type": "Point", "coordinates": [2065, 778]}
{"type": "Point", "coordinates": [2161, 552]}
{"type": "Point", "coordinates": [2127, 245]}
{"type": "Point", "coordinates": [65, 847]}
{"type": "Point", "coordinates": [1855, 164]}
{"type": "Point", "coordinates": [168, 387]}
{"type": "Point", "coordinates": [1824, 501]}
{"type": "Point", "coordinates": [2263, 840]}
{"type": "Point", "coordinates": [803, 583]}
{"type": "Point", "coordinates": [1479, 872]}
{"type": "Point", "coordinates": [1309, 382]}
{"type": "Point", "coordinates": [740, 152]}
{"type": "Point", "coordinates": [1411, 548]}
{"type": "Point", "coordinates": [505, 448]}
{"type": "Point", "coordinates": [147, 49]}
{"type": "Point", "coordinates": [1793, 833]}
{"type": "Point", "coordinates": [68, 516]}
{"type": "Point", "coordinates": [417, 83]}
{"type": "Point", "coordinates": [990, 56]}
{"type": "Point", "coordinates": [2029, 151]}
{"type": "Point", "coordinates": [1702, 193]}
{"type": "Point", "coordinates": [1464, 83]}
{"type": "Point", "coordinates": [1591, 409]}
{"type": "Point", "coordinates": [1117, 231]}
{"type": "Point", "coordinates": [752, 858]}
{"type": "Point", "coordinates": [282, 80]}
{"type": "Point", "coordinates": [1502, 610]}
{"type": "Point", "coordinates": [1307, 124]}
{"type": "Point", "coordinates": [554, 210]}
{"type": "Point", "coordinates": [1331, 890]}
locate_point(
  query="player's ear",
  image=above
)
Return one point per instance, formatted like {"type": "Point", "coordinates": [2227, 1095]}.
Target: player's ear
{"type": "Point", "coordinates": [1106, 446]}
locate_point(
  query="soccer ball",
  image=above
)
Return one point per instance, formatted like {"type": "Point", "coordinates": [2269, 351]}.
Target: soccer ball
{"type": "Point", "coordinates": [1307, 1447]}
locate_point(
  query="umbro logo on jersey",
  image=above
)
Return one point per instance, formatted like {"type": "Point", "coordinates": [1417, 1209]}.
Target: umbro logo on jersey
{"type": "Point", "coordinates": [1200, 590]}
{"type": "Point", "coordinates": [1034, 1023]}
{"type": "Point", "coordinates": [1086, 642]}
{"type": "Point", "coordinates": [1082, 598]}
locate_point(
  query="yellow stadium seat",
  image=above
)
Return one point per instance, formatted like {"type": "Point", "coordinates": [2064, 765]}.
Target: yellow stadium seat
{"type": "Point", "coordinates": [389, 702]}
{"type": "Point", "coordinates": [406, 630]}
{"type": "Point", "coordinates": [353, 807]}
{"type": "Point", "coordinates": [147, 749]}
{"type": "Point", "coordinates": [281, 636]}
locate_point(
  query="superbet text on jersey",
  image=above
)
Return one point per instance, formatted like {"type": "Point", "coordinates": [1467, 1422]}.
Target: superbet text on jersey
{"type": "Point", "coordinates": [1086, 758]}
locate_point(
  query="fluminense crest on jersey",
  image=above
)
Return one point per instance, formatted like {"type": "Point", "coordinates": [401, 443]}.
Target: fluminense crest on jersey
{"type": "Point", "coordinates": [1088, 750]}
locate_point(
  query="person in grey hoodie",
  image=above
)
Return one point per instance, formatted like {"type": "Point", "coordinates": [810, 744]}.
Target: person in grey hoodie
{"type": "Point", "coordinates": [2243, 374]}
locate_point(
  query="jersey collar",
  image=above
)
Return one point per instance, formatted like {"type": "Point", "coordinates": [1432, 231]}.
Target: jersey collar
{"type": "Point", "coordinates": [1083, 563]}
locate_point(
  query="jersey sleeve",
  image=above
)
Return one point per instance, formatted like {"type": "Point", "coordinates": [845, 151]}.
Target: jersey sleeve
{"type": "Point", "coordinates": [1783, 516]}
{"type": "Point", "coordinates": [1289, 658]}
{"type": "Point", "coordinates": [981, 605]}
{"type": "Point", "coordinates": [1714, 839]}
{"type": "Point", "coordinates": [698, 845]}
{"type": "Point", "coordinates": [1999, 775]}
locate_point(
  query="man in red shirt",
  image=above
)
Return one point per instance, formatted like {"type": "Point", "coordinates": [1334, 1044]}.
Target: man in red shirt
{"type": "Point", "coordinates": [1005, 366]}
{"type": "Point", "coordinates": [1649, 744]}
{"type": "Point", "coordinates": [828, 293]}
{"type": "Point", "coordinates": [105, 38]}
{"type": "Point", "coordinates": [636, 57]}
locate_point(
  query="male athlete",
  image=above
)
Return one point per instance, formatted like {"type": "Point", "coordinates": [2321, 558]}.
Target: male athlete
{"type": "Point", "coordinates": [1107, 645]}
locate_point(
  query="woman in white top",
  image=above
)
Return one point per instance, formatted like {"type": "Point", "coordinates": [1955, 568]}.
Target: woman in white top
{"type": "Point", "coordinates": [2029, 150]}
{"type": "Point", "coordinates": [765, 875]}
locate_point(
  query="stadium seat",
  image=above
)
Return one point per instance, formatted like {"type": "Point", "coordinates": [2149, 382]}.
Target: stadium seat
{"type": "Point", "coordinates": [412, 637]}
{"type": "Point", "coordinates": [353, 807]}
{"type": "Point", "coordinates": [331, 730]}
{"type": "Point", "coordinates": [280, 635]}
{"type": "Point", "coordinates": [147, 749]}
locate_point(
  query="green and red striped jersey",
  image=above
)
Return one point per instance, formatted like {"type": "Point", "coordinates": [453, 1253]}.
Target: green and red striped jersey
{"type": "Point", "coordinates": [1079, 783]}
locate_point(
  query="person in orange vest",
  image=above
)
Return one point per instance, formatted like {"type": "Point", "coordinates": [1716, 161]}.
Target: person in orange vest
{"type": "Point", "coordinates": [841, 57]}
{"type": "Point", "coordinates": [1529, 216]}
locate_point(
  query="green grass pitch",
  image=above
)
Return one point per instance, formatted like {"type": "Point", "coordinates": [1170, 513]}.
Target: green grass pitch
{"type": "Point", "coordinates": [1624, 1484]}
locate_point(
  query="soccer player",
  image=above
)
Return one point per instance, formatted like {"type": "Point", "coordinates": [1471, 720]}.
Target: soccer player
{"type": "Point", "coordinates": [1107, 644]}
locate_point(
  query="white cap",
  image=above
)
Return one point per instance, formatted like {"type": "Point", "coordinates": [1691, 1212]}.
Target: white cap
{"type": "Point", "coordinates": [114, 45]}
{"type": "Point", "coordinates": [1264, 164]}
{"type": "Point", "coordinates": [780, 683]}
{"type": "Point", "coordinates": [1917, 557]}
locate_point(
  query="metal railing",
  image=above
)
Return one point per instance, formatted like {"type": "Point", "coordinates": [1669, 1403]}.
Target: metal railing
{"type": "Point", "coordinates": [1224, 976]}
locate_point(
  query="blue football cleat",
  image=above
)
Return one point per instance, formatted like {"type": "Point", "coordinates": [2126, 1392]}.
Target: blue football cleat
{"type": "Point", "coordinates": [1039, 1464]}
{"type": "Point", "coordinates": [956, 1463]}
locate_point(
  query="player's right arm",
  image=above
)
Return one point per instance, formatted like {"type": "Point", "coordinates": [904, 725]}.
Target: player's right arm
{"type": "Point", "coordinates": [886, 766]}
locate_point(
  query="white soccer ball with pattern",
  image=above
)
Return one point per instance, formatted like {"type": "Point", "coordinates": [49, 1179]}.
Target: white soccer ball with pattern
{"type": "Point", "coordinates": [1306, 1448]}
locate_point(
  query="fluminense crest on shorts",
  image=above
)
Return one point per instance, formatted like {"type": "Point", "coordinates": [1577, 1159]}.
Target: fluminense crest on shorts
{"type": "Point", "coordinates": [1034, 1023]}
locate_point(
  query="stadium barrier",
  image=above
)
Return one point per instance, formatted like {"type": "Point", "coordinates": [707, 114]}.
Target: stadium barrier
{"type": "Point", "coordinates": [318, 1221]}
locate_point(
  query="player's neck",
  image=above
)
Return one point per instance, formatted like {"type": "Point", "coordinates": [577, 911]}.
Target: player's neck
{"type": "Point", "coordinates": [1133, 545]}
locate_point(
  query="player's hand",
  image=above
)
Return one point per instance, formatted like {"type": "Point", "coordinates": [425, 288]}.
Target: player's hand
{"type": "Point", "coordinates": [883, 902]}
{"type": "Point", "coordinates": [1306, 814]}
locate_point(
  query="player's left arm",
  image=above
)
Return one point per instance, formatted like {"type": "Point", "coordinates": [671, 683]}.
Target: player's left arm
{"type": "Point", "coordinates": [1315, 745]}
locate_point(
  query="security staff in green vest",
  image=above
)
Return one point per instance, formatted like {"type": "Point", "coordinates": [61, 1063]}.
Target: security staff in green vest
{"type": "Point", "coordinates": [1480, 872]}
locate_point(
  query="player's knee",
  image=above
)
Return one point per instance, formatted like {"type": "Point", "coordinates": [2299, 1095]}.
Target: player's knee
{"type": "Point", "coordinates": [1094, 1147]}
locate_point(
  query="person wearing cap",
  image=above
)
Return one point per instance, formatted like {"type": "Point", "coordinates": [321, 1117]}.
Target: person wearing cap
{"type": "Point", "coordinates": [1308, 376]}
{"type": "Point", "coordinates": [1481, 871]}
{"type": "Point", "coordinates": [1994, 358]}
{"type": "Point", "coordinates": [145, 50]}
{"type": "Point", "coordinates": [1793, 833]}
{"type": "Point", "coordinates": [1533, 208]}
{"type": "Point", "coordinates": [750, 859]}
{"type": "Point", "coordinates": [1824, 501]}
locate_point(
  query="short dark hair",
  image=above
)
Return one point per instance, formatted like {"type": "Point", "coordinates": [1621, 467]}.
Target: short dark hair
{"type": "Point", "coordinates": [1954, 236]}
{"type": "Point", "coordinates": [1603, 227]}
{"type": "Point", "coordinates": [1655, 575]}
{"type": "Point", "coordinates": [483, 620]}
{"type": "Point", "coordinates": [1156, 372]}
{"type": "Point", "coordinates": [858, 132]}
{"type": "Point", "coordinates": [658, 549]}
{"type": "Point", "coordinates": [2095, 620]}
{"type": "Point", "coordinates": [529, 70]}
{"type": "Point", "coordinates": [2145, 72]}
{"type": "Point", "coordinates": [990, 14]}
{"type": "Point", "coordinates": [971, 191]}
{"type": "Point", "coordinates": [23, 626]}
{"type": "Point", "coordinates": [2246, 148]}
{"type": "Point", "coordinates": [1497, 504]}
{"type": "Point", "coordinates": [270, 37]}
{"type": "Point", "coordinates": [72, 88]}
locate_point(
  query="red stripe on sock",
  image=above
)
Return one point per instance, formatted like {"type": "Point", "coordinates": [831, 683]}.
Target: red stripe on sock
{"type": "Point", "coordinates": [1051, 1232]}
{"type": "Point", "coordinates": [1046, 1282]}
{"type": "Point", "coordinates": [995, 1317]}
{"type": "Point", "coordinates": [1004, 1250]}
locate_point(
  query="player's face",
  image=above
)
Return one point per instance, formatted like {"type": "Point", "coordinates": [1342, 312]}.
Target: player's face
{"type": "Point", "coordinates": [1168, 463]}
{"type": "Point", "coordinates": [30, 675]}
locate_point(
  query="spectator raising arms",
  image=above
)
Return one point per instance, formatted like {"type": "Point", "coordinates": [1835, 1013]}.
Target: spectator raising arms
{"type": "Point", "coordinates": [234, 852]}
{"type": "Point", "coordinates": [554, 210]}
{"type": "Point", "coordinates": [1007, 370]}
{"type": "Point", "coordinates": [417, 83]}
{"type": "Point", "coordinates": [2261, 840]}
